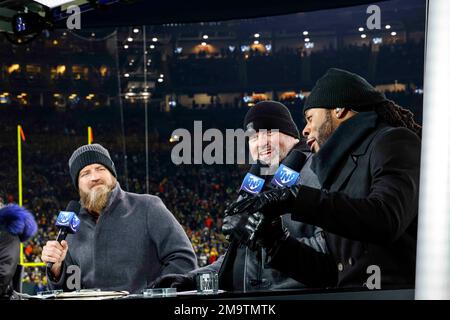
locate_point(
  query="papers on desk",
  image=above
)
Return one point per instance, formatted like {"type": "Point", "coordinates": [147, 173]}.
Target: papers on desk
{"type": "Point", "coordinates": [77, 295]}
{"type": "Point", "coordinates": [89, 294]}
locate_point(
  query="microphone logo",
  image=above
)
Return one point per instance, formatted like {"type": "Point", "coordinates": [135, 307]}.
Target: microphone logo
{"type": "Point", "coordinates": [285, 177]}
{"type": "Point", "coordinates": [252, 184]}
{"type": "Point", "coordinates": [68, 219]}
{"type": "Point", "coordinates": [75, 224]}
{"type": "Point", "coordinates": [64, 217]}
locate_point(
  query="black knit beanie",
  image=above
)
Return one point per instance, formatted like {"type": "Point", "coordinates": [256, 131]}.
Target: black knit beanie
{"type": "Point", "coordinates": [86, 155]}
{"type": "Point", "coordinates": [271, 115]}
{"type": "Point", "coordinates": [343, 89]}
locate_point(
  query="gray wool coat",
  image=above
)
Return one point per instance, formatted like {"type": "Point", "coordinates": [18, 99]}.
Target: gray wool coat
{"type": "Point", "coordinates": [135, 240]}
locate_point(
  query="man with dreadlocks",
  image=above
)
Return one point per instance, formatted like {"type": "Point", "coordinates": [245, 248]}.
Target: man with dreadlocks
{"type": "Point", "coordinates": [367, 157]}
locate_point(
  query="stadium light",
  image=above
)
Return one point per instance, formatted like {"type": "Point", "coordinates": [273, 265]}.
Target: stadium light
{"type": "Point", "coordinates": [377, 40]}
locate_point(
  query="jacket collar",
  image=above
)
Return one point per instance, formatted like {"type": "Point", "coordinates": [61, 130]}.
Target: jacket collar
{"type": "Point", "coordinates": [116, 196]}
{"type": "Point", "coordinates": [344, 141]}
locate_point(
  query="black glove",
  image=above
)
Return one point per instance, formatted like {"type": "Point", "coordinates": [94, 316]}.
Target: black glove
{"type": "Point", "coordinates": [230, 223]}
{"type": "Point", "coordinates": [183, 282]}
{"type": "Point", "coordinates": [272, 203]}
{"type": "Point", "coordinates": [266, 233]}
{"type": "Point", "coordinates": [234, 227]}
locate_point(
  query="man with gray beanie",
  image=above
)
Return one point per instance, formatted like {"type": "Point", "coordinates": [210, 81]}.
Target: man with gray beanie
{"type": "Point", "coordinates": [125, 241]}
{"type": "Point", "coordinates": [273, 134]}
{"type": "Point", "coordinates": [367, 159]}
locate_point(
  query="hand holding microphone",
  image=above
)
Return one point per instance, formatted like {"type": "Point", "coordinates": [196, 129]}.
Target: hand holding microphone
{"type": "Point", "coordinates": [234, 224]}
{"type": "Point", "coordinates": [276, 201]}
{"type": "Point", "coordinates": [265, 233]}
{"type": "Point", "coordinates": [264, 210]}
{"type": "Point", "coordinates": [272, 203]}
{"type": "Point", "coordinates": [54, 252]}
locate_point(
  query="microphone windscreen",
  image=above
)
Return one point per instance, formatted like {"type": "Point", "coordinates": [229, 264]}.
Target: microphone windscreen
{"type": "Point", "coordinates": [252, 183]}
{"type": "Point", "coordinates": [288, 172]}
{"type": "Point", "coordinates": [18, 221]}
{"type": "Point", "coordinates": [73, 206]}
{"type": "Point", "coordinates": [295, 160]}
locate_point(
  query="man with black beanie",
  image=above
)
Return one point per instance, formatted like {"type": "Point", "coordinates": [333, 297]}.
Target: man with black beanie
{"type": "Point", "coordinates": [367, 159]}
{"type": "Point", "coordinates": [125, 241]}
{"type": "Point", "coordinates": [273, 134]}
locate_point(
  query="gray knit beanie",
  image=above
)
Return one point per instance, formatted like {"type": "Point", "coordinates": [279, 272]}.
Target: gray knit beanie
{"type": "Point", "coordinates": [86, 155]}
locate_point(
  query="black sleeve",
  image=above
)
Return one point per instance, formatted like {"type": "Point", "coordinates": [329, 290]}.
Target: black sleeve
{"type": "Point", "coordinates": [391, 205]}
{"type": "Point", "coordinates": [304, 264]}
{"type": "Point", "coordinates": [9, 258]}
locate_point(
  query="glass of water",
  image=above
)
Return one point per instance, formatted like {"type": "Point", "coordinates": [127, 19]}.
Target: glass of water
{"type": "Point", "coordinates": [207, 282]}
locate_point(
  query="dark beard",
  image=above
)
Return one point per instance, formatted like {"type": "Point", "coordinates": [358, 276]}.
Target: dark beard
{"type": "Point", "coordinates": [325, 130]}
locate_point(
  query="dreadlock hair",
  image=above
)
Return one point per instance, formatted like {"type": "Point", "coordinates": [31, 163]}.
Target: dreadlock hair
{"type": "Point", "coordinates": [397, 116]}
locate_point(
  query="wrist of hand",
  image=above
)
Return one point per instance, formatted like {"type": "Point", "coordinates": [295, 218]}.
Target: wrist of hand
{"type": "Point", "coordinates": [55, 271]}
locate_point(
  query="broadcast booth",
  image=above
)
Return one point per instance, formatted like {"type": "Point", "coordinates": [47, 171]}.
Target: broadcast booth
{"type": "Point", "coordinates": [140, 69]}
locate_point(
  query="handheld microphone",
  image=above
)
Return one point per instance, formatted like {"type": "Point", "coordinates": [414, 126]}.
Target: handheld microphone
{"type": "Point", "coordinates": [286, 176]}
{"type": "Point", "coordinates": [251, 186]}
{"type": "Point", "coordinates": [67, 222]}
{"type": "Point", "coordinates": [288, 173]}
{"type": "Point", "coordinates": [252, 183]}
